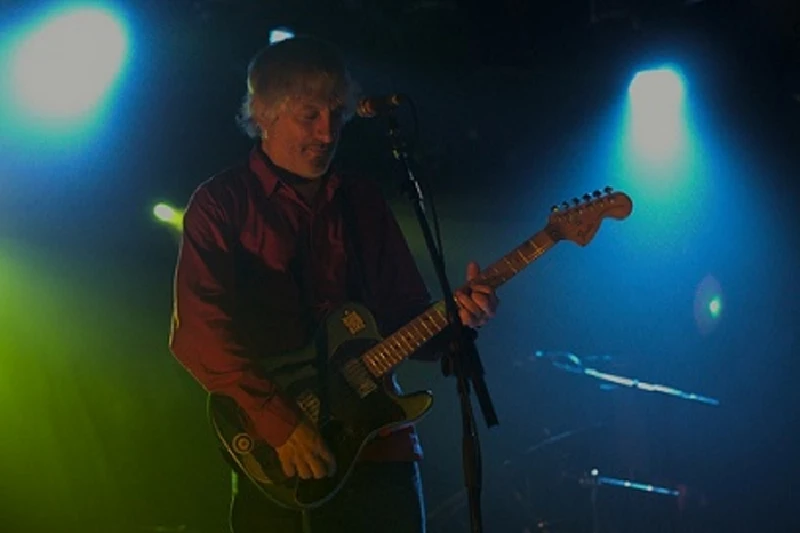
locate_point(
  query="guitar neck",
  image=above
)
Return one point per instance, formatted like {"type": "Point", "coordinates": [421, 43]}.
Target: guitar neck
{"type": "Point", "coordinates": [398, 346]}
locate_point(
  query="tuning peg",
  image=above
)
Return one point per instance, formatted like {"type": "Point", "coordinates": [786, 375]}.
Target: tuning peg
{"type": "Point", "coordinates": [587, 197]}
{"type": "Point", "coordinates": [597, 194]}
{"type": "Point", "coordinates": [608, 189]}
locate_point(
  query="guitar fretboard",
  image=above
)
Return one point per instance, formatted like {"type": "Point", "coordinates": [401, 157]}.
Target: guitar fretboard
{"type": "Point", "coordinates": [405, 341]}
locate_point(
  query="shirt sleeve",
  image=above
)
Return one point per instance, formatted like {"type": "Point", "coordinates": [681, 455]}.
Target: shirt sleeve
{"type": "Point", "coordinates": [203, 335]}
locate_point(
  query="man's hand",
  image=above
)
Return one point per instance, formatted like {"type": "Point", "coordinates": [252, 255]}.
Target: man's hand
{"type": "Point", "coordinates": [477, 303]}
{"type": "Point", "coordinates": [305, 454]}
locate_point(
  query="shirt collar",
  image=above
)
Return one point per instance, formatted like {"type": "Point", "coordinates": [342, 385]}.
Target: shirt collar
{"type": "Point", "coordinates": [262, 168]}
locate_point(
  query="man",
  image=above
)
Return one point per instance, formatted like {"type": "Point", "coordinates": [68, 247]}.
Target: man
{"type": "Point", "coordinates": [268, 248]}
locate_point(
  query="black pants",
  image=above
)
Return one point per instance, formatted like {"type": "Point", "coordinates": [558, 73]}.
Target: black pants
{"type": "Point", "coordinates": [385, 497]}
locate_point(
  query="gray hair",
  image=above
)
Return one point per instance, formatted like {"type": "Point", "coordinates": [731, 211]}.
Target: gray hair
{"type": "Point", "coordinates": [292, 68]}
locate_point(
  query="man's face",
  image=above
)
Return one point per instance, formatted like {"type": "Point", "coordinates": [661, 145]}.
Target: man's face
{"type": "Point", "coordinates": [303, 137]}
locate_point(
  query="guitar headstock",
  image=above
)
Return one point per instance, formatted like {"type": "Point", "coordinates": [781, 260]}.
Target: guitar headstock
{"type": "Point", "coordinates": [578, 222]}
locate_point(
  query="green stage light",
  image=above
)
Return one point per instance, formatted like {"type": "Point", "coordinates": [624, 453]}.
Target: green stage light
{"type": "Point", "coordinates": [169, 215]}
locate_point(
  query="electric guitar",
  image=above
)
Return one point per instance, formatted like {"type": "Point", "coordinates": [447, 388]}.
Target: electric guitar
{"type": "Point", "coordinates": [359, 407]}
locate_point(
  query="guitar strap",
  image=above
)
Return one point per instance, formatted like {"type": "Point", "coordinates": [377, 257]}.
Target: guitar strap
{"type": "Point", "coordinates": [357, 289]}
{"type": "Point", "coordinates": [357, 286]}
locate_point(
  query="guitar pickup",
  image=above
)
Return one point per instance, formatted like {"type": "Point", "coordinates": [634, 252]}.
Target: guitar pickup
{"type": "Point", "coordinates": [356, 375]}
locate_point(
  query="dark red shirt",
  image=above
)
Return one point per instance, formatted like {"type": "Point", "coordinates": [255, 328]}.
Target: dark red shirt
{"type": "Point", "coordinates": [258, 269]}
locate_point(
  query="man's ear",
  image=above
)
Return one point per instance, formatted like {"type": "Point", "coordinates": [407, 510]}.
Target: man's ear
{"type": "Point", "coordinates": [259, 113]}
{"type": "Point", "coordinates": [265, 116]}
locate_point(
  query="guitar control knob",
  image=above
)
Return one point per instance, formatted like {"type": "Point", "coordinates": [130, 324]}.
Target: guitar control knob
{"type": "Point", "coordinates": [554, 209]}
{"type": "Point", "coordinates": [597, 194]}
{"type": "Point", "coordinates": [576, 201]}
{"type": "Point", "coordinates": [608, 189]}
{"type": "Point", "coordinates": [565, 205]}
{"type": "Point", "coordinates": [242, 443]}
{"type": "Point", "coordinates": [587, 197]}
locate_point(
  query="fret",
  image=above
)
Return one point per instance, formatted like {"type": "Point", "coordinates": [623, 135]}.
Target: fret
{"type": "Point", "coordinates": [388, 357]}
{"type": "Point", "coordinates": [507, 260]}
{"type": "Point", "coordinates": [441, 314]}
{"type": "Point", "coordinates": [497, 279]}
{"type": "Point", "coordinates": [413, 341]}
{"type": "Point", "coordinates": [371, 365]}
{"type": "Point", "coordinates": [383, 360]}
{"type": "Point", "coordinates": [537, 250]}
{"type": "Point", "coordinates": [426, 328]}
{"type": "Point", "coordinates": [513, 262]}
{"type": "Point", "coordinates": [525, 252]}
{"type": "Point", "coordinates": [412, 335]}
{"type": "Point", "coordinates": [493, 269]}
{"type": "Point", "coordinates": [420, 334]}
{"type": "Point", "coordinates": [398, 343]}
{"type": "Point", "coordinates": [404, 339]}
{"type": "Point", "coordinates": [409, 339]}
{"type": "Point", "coordinates": [396, 354]}
{"type": "Point", "coordinates": [400, 353]}
{"type": "Point", "coordinates": [374, 366]}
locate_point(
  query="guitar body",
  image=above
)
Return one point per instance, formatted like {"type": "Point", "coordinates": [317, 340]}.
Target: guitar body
{"type": "Point", "coordinates": [360, 406]}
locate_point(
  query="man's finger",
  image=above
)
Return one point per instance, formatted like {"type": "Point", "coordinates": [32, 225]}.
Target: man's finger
{"type": "Point", "coordinates": [288, 468]}
{"type": "Point", "coordinates": [303, 469]}
{"type": "Point", "coordinates": [286, 457]}
{"type": "Point", "coordinates": [485, 302]}
{"type": "Point", "coordinates": [319, 468]}
{"type": "Point", "coordinates": [330, 461]}
{"type": "Point", "coordinates": [470, 320]}
{"type": "Point", "coordinates": [483, 289]}
{"type": "Point", "coordinates": [324, 453]}
{"type": "Point", "coordinates": [473, 270]}
{"type": "Point", "coordinates": [468, 304]}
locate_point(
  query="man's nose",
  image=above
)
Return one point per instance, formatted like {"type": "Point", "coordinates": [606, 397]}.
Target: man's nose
{"type": "Point", "coordinates": [326, 128]}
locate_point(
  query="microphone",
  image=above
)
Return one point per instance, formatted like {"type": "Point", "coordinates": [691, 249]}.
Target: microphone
{"type": "Point", "coordinates": [373, 106]}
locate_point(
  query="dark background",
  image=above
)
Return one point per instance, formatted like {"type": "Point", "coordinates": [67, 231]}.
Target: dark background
{"type": "Point", "coordinates": [519, 106]}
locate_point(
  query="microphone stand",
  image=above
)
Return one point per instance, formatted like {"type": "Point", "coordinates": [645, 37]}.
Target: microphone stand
{"type": "Point", "coordinates": [463, 359]}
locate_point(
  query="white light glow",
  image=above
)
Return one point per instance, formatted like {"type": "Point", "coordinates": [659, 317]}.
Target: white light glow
{"type": "Point", "coordinates": [280, 34]}
{"type": "Point", "coordinates": [656, 107]}
{"type": "Point", "coordinates": [64, 68]}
